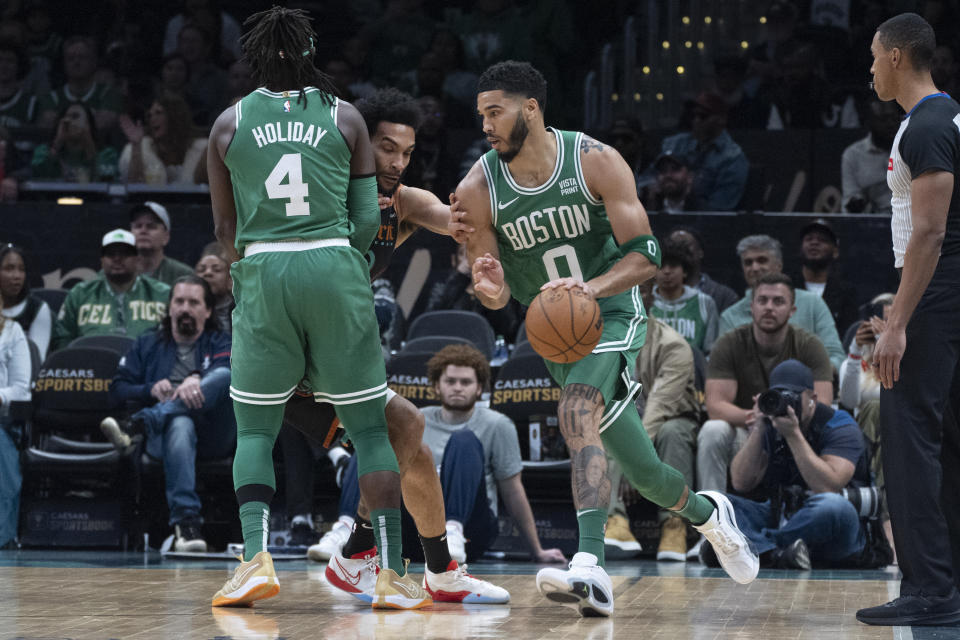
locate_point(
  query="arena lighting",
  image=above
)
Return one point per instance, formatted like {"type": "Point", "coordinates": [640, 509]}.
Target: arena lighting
{"type": "Point", "coordinates": [763, 19]}
{"type": "Point", "coordinates": [636, 97]}
{"type": "Point", "coordinates": [707, 19]}
{"type": "Point", "coordinates": [665, 44]}
{"type": "Point", "coordinates": [744, 44]}
{"type": "Point", "coordinates": [685, 19]}
{"type": "Point", "coordinates": [615, 97]}
{"type": "Point", "coordinates": [73, 200]}
{"type": "Point", "coordinates": [700, 46]}
{"type": "Point", "coordinates": [646, 70]}
{"type": "Point", "coordinates": [688, 44]}
{"type": "Point", "coordinates": [680, 70]}
{"type": "Point", "coordinates": [659, 96]}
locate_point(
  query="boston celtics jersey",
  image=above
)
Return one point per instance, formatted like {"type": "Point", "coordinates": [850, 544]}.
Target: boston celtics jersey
{"type": "Point", "coordinates": [290, 168]}
{"type": "Point", "coordinates": [556, 230]}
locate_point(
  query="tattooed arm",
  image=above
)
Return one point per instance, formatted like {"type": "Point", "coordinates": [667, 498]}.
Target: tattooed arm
{"type": "Point", "coordinates": [609, 178]}
{"type": "Point", "coordinates": [579, 412]}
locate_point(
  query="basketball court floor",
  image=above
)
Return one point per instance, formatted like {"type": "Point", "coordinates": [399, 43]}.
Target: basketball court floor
{"type": "Point", "coordinates": [101, 595]}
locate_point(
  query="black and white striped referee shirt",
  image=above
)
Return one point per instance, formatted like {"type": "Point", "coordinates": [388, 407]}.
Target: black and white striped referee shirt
{"type": "Point", "coordinates": [928, 140]}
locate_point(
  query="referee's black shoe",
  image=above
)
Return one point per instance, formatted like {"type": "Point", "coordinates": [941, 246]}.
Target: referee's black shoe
{"type": "Point", "coordinates": [915, 610]}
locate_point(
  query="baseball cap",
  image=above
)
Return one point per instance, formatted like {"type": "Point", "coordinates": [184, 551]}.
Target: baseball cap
{"type": "Point", "coordinates": [791, 375]}
{"type": "Point", "coordinates": [671, 157]}
{"type": "Point", "coordinates": [121, 237]}
{"type": "Point", "coordinates": [820, 224]}
{"type": "Point", "coordinates": [155, 208]}
{"type": "Point", "coordinates": [710, 102]}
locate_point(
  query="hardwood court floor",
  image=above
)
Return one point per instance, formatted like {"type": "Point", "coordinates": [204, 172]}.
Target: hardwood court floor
{"type": "Point", "coordinates": [114, 595]}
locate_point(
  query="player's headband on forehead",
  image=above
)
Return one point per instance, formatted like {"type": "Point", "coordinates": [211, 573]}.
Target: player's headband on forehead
{"type": "Point", "coordinates": [304, 54]}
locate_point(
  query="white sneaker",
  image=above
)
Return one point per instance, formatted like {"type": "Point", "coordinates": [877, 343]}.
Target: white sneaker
{"type": "Point", "coordinates": [584, 586]}
{"type": "Point", "coordinates": [331, 543]}
{"type": "Point", "coordinates": [730, 545]}
{"type": "Point", "coordinates": [356, 575]}
{"type": "Point", "coordinates": [456, 585]}
{"type": "Point", "coordinates": [456, 543]}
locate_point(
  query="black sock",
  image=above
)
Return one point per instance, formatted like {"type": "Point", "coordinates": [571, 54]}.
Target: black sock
{"type": "Point", "coordinates": [361, 539]}
{"type": "Point", "coordinates": [436, 553]}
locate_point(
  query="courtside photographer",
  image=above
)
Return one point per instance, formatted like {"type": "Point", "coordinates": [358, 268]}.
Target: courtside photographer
{"type": "Point", "coordinates": [799, 458]}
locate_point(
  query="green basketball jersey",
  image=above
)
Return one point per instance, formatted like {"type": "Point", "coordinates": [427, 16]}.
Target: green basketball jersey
{"type": "Point", "coordinates": [290, 168]}
{"type": "Point", "coordinates": [556, 230]}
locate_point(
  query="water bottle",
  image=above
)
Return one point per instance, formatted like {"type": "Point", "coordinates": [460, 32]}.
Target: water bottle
{"type": "Point", "coordinates": [500, 352]}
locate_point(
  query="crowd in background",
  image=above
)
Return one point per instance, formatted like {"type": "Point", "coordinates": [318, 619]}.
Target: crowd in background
{"type": "Point", "coordinates": [110, 96]}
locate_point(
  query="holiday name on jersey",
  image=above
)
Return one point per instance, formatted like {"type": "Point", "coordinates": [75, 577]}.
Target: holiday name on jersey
{"type": "Point", "coordinates": [535, 228]}
{"type": "Point", "coordinates": [295, 132]}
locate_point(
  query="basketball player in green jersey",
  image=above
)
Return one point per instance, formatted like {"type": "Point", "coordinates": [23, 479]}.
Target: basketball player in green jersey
{"type": "Point", "coordinates": [554, 208]}
{"type": "Point", "coordinates": [294, 196]}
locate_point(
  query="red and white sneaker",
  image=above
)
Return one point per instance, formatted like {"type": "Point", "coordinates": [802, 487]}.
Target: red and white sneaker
{"type": "Point", "coordinates": [456, 585]}
{"type": "Point", "coordinates": [357, 575]}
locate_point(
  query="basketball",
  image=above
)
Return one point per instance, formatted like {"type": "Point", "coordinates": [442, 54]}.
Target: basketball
{"type": "Point", "coordinates": [564, 325]}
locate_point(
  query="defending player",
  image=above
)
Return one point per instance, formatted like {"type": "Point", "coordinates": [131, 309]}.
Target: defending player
{"type": "Point", "coordinates": [556, 208]}
{"type": "Point", "coordinates": [292, 187]}
{"type": "Point", "coordinates": [392, 118]}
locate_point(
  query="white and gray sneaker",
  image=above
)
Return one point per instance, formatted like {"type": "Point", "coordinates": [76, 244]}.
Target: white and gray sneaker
{"type": "Point", "coordinates": [331, 543]}
{"type": "Point", "coordinates": [731, 546]}
{"type": "Point", "coordinates": [585, 586]}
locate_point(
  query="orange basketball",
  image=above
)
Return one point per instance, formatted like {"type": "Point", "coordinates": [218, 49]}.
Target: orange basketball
{"type": "Point", "coordinates": [564, 325]}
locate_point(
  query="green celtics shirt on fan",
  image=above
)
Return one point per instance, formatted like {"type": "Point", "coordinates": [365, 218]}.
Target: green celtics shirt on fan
{"type": "Point", "coordinates": [556, 230]}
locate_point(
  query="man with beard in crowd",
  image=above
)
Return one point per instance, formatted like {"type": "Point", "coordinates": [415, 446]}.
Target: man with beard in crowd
{"type": "Point", "coordinates": [863, 165]}
{"type": "Point", "coordinates": [181, 370]}
{"type": "Point", "coordinates": [819, 274]}
{"type": "Point", "coordinates": [673, 191]}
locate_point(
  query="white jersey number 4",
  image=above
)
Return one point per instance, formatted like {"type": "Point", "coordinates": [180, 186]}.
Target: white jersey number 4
{"type": "Point", "coordinates": [295, 190]}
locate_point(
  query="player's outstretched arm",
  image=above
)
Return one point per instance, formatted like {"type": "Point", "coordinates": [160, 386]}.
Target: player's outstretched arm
{"type": "Point", "coordinates": [221, 187]}
{"type": "Point", "coordinates": [610, 179]}
{"type": "Point", "coordinates": [482, 252]}
{"type": "Point", "coordinates": [421, 208]}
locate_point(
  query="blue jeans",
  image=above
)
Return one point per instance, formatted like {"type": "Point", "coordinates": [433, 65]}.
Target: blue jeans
{"type": "Point", "coordinates": [827, 522]}
{"type": "Point", "coordinates": [177, 435]}
{"type": "Point", "coordinates": [464, 495]}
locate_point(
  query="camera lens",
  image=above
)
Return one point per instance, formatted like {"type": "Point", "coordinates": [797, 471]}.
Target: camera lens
{"type": "Point", "coordinates": [771, 403]}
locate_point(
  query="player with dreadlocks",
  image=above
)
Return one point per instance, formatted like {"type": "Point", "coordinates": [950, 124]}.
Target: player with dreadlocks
{"type": "Point", "coordinates": [295, 203]}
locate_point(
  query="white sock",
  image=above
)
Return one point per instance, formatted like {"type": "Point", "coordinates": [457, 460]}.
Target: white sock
{"type": "Point", "coordinates": [347, 520]}
{"type": "Point", "coordinates": [455, 525]}
{"type": "Point", "coordinates": [335, 453]}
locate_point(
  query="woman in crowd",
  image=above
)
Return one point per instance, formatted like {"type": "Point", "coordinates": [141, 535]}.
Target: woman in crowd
{"type": "Point", "coordinates": [30, 312]}
{"type": "Point", "coordinates": [14, 386]}
{"type": "Point", "coordinates": [75, 154]}
{"type": "Point", "coordinates": [166, 150]}
{"type": "Point", "coordinates": [215, 269]}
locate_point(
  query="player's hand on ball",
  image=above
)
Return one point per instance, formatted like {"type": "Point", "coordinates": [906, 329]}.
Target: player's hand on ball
{"type": "Point", "coordinates": [488, 276]}
{"type": "Point", "coordinates": [458, 230]}
{"type": "Point", "coordinates": [570, 283]}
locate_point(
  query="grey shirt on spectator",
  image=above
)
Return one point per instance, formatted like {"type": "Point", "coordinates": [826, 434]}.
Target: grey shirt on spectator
{"type": "Point", "coordinates": [496, 433]}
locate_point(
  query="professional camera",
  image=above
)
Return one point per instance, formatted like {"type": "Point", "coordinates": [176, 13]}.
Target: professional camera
{"type": "Point", "coordinates": [774, 402]}
{"type": "Point", "coordinates": [866, 500]}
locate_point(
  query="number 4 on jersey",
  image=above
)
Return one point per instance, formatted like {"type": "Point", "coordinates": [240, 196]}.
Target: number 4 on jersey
{"type": "Point", "coordinates": [296, 190]}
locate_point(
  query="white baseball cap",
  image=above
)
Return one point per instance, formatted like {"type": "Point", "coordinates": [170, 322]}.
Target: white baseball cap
{"type": "Point", "coordinates": [119, 236]}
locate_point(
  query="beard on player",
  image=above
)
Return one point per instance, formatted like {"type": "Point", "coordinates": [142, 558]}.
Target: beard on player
{"type": "Point", "coordinates": [517, 137]}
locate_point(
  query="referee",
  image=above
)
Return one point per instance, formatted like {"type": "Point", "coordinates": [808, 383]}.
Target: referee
{"type": "Point", "coordinates": [917, 355]}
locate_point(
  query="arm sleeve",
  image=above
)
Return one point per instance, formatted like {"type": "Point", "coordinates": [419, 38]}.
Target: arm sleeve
{"type": "Point", "coordinates": [363, 211]}
{"type": "Point", "coordinates": [17, 387]}
{"type": "Point", "coordinates": [41, 329]}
